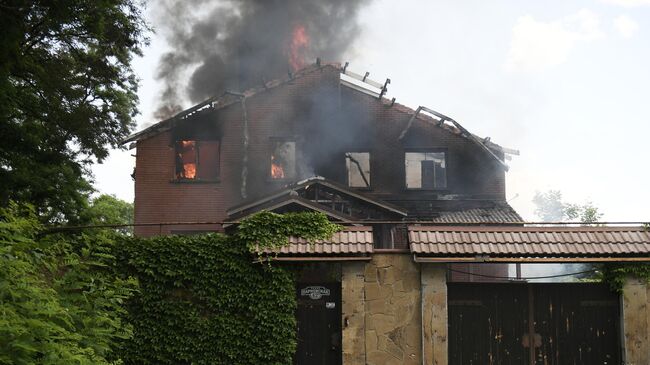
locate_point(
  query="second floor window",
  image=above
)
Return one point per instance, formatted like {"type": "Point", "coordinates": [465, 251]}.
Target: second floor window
{"type": "Point", "coordinates": [197, 160]}
{"type": "Point", "coordinates": [283, 159]}
{"type": "Point", "coordinates": [358, 166]}
{"type": "Point", "coordinates": [425, 170]}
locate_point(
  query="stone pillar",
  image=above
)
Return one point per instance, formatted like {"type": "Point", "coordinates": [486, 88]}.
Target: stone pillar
{"type": "Point", "coordinates": [353, 313]}
{"type": "Point", "coordinates": [636, 322]}
{"type": "Point", "coordinates": [434, 314]}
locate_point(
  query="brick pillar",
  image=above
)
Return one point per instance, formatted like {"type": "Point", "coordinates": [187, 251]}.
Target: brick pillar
{"type": "Point", "coordinates": [636, 322]}
{"type": "Point", "coordinates": [433, 280]}
{"type": "Point", "coordinates": [353, 313]}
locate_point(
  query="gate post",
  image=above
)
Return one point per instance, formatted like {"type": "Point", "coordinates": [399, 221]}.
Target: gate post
{"type": "Point", "coordinates": [433, 280]}
{"type": "Point", "coordinates": [636, 322]}
{"type": "Point", "coordinates": [353, 313]}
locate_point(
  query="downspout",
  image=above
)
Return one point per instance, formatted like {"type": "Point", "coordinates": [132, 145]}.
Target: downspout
{"type": "Point", "coordinates": [245, 136]}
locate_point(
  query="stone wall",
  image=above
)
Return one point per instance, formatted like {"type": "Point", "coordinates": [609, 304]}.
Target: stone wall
{"type": "Point", "coordinates": [636, 322]}
{"type": "Point", "coordinates": [393, 330]}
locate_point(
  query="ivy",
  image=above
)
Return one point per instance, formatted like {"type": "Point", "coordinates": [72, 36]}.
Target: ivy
{"type": "Point", "coordinates": [271, 230]}
{"type": "Point", "coordinates": [203, 300]}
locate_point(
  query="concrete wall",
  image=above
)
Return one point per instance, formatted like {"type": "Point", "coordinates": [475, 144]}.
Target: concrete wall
{"type": "Point", "coordinates": [382, 312]}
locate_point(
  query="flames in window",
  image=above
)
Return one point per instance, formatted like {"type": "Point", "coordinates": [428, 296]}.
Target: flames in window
{"type": "Point", "coordinates": [186, 160]}
{"type": "Point", "coordinates": [283, 160]}
{"type": "Point", "coordinates": [277, 172]}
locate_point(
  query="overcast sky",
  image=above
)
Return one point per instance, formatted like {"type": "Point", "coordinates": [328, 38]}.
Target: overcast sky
{"type": "Point", "coordinates": [567, 83]}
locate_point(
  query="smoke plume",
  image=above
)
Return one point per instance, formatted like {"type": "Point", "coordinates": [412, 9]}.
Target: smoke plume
{"type": "Point", "coordinates": [240, 43]}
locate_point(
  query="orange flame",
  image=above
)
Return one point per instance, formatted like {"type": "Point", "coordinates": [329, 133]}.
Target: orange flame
{"type": "Point", "coordinates": [277, 172]}
{"type": "Point", "coordinates": [189, 170]}
{"type": "Point", "coordinates": [298, 47]}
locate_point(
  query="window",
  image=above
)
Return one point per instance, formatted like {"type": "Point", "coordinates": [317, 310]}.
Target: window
{"type": "Point", "coordinates": [283, 160]}
{"type": "Point", "coordinates": [358, 165]}
{"type": "Point", "coordinates": [197, 160]}
{"type": "Point", "coordinates": [425, 170]}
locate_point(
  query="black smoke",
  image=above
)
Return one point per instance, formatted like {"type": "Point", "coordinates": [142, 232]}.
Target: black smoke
{"type": "Point", "coordinates": [233, 45]}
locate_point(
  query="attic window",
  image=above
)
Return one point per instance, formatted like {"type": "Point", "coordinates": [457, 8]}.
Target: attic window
{"type": "Point", "coordinates": [197, 160]}
{"type": "Point", "coordinates": [358, 166]}
{"type": "Point", "coordinates": [283, 160]}
{"type": "Point", "coordinates": [425, 170]}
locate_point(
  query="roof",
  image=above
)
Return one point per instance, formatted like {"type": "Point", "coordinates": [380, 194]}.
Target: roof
{"type": "Point", "coordinates": [493, 243]}
{"type": "Point", "coordinates": [350, 241]}
{"type": "Point", "coordinates": [229, 98]}
{"type": "Point", "coordinates": [497, 214]}
{"type": "Point", "coordinates": [259, 203]}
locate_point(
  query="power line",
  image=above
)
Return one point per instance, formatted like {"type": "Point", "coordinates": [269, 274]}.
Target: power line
{"type": "Point", "coordinates": [524, 278]}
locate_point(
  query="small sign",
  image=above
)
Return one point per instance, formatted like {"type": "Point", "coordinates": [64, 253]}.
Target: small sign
{"type": "Point", "coordinates": [314, 292]}
{"type": "Point", "coordinates": [330, 305]}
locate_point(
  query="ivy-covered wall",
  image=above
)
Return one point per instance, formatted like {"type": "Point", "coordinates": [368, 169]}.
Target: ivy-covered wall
{"type": "Point", "coordinates": [203, 301]}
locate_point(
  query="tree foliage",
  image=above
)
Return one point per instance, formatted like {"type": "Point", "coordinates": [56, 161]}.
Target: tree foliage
{"type": "Point", "coordinates": [109, 210]}
{"type": "Point", "coordinates": [67, 94]}
{"type": "Point", "coordinates": [60, 298]}
{"type": "Point", "coordinates": [551, 208]}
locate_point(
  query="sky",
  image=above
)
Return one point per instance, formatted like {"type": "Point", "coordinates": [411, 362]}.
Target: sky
{"type": "Point", "coordinates": [567, 83]}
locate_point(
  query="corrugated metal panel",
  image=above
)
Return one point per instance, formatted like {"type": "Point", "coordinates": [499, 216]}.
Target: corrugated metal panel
{"type": "Point", "coordinates": [352, 240]}
{"type": "Point", "coordinates": [529, 241]}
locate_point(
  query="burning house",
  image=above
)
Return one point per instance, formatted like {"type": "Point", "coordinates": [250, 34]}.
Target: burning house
{"type": "Point", "coordinates": [419, 275]}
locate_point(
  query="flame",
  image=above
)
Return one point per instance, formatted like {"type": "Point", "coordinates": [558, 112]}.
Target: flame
{"type": "Point", "coordinates": [277, 172]}
{"type": "Point", "coordinates": [189, 170]}
{"type": "Point", "coordinates": [298, 47]}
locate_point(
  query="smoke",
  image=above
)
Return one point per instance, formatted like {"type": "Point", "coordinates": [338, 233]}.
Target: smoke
{"type": "Point", "coordinates": [239, 43]}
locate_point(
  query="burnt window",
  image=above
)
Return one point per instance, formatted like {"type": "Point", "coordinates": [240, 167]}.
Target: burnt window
{"type": "Point", "coordinates": [283, 159]}
{"type": "Point", "coordinates": [358, 166]}
{"type": "Point", "coordinates": [425, 170]}
{"type": "Point", "coordinates": [197, 160]}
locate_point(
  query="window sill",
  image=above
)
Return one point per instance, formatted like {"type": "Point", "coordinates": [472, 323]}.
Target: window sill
{"type": "Point", "coordinates": [195, 181]}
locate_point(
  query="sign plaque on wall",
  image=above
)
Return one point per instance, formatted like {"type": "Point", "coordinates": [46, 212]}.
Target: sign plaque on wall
{"type": "Point", "coordinates": [314, 292]}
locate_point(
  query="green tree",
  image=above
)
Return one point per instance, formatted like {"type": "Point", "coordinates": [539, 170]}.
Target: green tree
{"type": "Point", "coordinates": [67, 94]}
{"type": "Point", "coordinates": [551, 208]}
{"type": "Point", "coordinates": [107, 209]}
{"type": "Point", "coordinates": [61, 300]}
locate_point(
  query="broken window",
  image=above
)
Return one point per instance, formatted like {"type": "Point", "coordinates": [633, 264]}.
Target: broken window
{"type": "Point", "coordinates": [283, 159]}
{"type": "Point", "coordinates": [197, 160]}
{"type": "Point", "coordinates": [426, 170]}
{"type": "Point", "coordinates": [358, 165]}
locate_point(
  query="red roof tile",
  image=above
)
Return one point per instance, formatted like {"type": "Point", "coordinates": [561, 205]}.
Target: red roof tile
{"type": "Point", "coordinates": [352, 240]}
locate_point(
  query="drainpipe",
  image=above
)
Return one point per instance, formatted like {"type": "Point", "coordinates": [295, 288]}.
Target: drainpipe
{"type": "Point", "coordinates": [244, 170]}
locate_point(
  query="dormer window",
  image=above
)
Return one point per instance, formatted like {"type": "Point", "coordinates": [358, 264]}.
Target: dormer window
{"type": "Point", "coordinates": [197, 160]}
{"type": "Point", "coordinates": [358, 166]}
{"type": "Point", "coordinates": [283, 160]}
{"type": "Point", "coordinates": [426, 170]}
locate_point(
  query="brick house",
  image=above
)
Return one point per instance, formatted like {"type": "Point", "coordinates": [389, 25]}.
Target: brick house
{"type": "Point", "coordinates": [423, 200]}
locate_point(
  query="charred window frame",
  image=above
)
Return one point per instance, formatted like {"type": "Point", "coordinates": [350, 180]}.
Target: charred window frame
{"type": "Point", "coordinates": [358, 169]}
{"type": "Point", "coordinates": [425, 169]}
{"type": "Point", "coordinates": [197, 160]}
{"type": "Point", "coordinates": [282, 159]}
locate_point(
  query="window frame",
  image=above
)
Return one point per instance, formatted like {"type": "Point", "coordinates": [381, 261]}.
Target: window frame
{"type": "Point", "coordinates": [215, 179]}
{"type": "Point", "coordinates": [347, 172]}
{"type": "Point", "coordinates": [442, 150]}
{"type": "Point", "coordinates": [273, 141]}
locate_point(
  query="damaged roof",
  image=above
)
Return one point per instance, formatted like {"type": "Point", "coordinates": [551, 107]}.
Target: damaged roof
{"type": "Point", "coordinates": [229, 98]}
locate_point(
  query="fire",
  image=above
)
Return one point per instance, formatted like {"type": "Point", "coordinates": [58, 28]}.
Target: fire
{"type": "Point", "coordinates": [189, 170]}
{"type": "Point", "coordinates": [298, 47]}
{"type": "Point", "coordinates": [277, 172]}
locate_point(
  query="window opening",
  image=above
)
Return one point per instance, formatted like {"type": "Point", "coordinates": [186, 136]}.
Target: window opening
{"type": "Point", "coordinates": [358, 166]}
{"type": "Point", "coordinates": [425, 170]}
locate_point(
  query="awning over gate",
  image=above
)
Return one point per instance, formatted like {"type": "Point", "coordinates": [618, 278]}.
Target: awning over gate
{"type": "Point", "coordinates": [529, 244]}
{"type": "Point", "coordinates": [353, 243]}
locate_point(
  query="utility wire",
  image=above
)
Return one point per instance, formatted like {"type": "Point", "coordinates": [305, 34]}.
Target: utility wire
{"type": "Point", "coordinates": [524, 278]}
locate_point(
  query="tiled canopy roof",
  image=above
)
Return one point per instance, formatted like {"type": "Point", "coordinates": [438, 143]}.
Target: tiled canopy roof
{"type": "Point", "coordinates": [351, 241]}
{"type": "Point", "coordinates": [457, 241]}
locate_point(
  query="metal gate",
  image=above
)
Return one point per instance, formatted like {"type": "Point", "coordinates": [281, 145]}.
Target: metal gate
{"type": "Point", "coordinates": [319, 324]}
{"type": "Point", "coordinates": [533, 324]}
